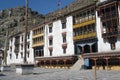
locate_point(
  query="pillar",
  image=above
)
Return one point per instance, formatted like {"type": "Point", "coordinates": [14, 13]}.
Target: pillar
{"type": "Point", "coordinates": [90, 48]}
{"type": "Point", "coordinates": [82, 49]}
{"type": "Point", "coordinates": [64, 62]}
{"type": "Point", "coordinates": [57, 61]}
{"type": "Point", "coordinates": [95, 71]}
{"type": "Point", "coordinates": [50, 62]}
{"type": "Point", "coordinates": [107, 62]}
{"type": "Point", "coordinates": [39, 64]}
{"type": "Point", "coordinates": [44, 63]}
{"type": "Point", "coordinates": [119, 60]}
{"type": "Point", "coordinates": [119, 14]}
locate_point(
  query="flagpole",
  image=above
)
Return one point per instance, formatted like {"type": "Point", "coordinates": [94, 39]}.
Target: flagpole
{"type": "Point", "coordinates": [25, 33]}
{"type": "Point", "coordinates": [59, 6]}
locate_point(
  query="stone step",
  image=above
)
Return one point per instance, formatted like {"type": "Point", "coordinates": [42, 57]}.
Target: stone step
{"type": "Point", "coordinates": [78, 65]}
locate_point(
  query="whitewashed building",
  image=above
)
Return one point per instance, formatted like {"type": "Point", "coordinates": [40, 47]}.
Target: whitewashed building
{"type": "Point", "coordinates": [84, 28]}
{"type": "Point", "coordinates": [59, 38]}
{"type": "Point", "coordinates": [16, 49]}
{"type": "Point", "coordinates": [108, 35]}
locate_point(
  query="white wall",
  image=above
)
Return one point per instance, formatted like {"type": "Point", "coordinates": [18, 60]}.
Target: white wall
{"type": "Point", "coordinates": [46, 39]}
{"type": "Point", "coordinates": [31, 52]}
{"type": "Point", "coordinates": [58, 39]}
{"type": "Point", "coordinates": [19, 60]}
{"type": "Point", "coordinates": [70, 46]}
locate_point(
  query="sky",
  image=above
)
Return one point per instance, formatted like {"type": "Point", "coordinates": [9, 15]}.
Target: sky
{"type": "Point", "coordinates": [41, 6]}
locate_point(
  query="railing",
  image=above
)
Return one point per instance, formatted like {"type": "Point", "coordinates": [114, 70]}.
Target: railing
{"type": "Point", "coordinates": [38, 35]}
{"type": "Point", "coordinates": [83, 23]}
{"type": "Point", "coordinates": [84, 36]}
{"type": "Point", "coordinates": [41, 43]}
{"type": "Point", "coordinates": [109, 34]}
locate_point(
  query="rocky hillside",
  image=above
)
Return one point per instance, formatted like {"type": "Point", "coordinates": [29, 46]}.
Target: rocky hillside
{"type": "Point", "coordinates": [13, 20]}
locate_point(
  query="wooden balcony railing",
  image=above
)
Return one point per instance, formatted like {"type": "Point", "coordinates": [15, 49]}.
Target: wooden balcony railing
{"type": "Point", "coordinates": [41, 43]}
{"type": "Point", "coordinates": [83, 23]}
{"type": "Point", "coordinates": [110, 34]}
{"type": "Point", "coordinates": [84, 36]}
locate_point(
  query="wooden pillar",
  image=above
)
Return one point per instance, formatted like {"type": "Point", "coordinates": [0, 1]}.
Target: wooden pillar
{"type": "Point", "coordinates": [64, 62]}
{"type": "Point", "coordinates": [44, 63]}
{"type": "Point", "coordinates": [90, 48]}
{"type": "Point", "coordinates": [119, 16]}
{"type": "Point", "coordinates": [118, 60]}
{"type": "Point", "coordinates": [39, 63]}
{"type": "Point", "coordinates": [72, 61]}
{"type": "Point", "coordinates": [82, 49]}
{"type": "Point", "coordinates": [95, 70]}
{"type": "Point", "coordinates": [57, 61]}
{"type": "Point", "coordinates": [107, 62]}
{"type": "Point", "coordinates": [50, 62]}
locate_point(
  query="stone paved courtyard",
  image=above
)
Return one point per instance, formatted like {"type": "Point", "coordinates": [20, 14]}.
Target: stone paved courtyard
{"type": "Point", "coordinates": [61, 74]}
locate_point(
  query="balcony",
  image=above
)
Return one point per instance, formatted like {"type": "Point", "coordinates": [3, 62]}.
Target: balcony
{"type": "Point", "coordinates": [40, 43]}
{"type": "Point", "coordinates": [111, 34]}
{"type": "Point", "coordinates": [83, 23]}
{"type": "Point", "coordinates": [85, 36]}
{"type": "Point", "coordinates": [38, 35]}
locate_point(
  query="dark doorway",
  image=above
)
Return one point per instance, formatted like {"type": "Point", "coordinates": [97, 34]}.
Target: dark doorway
{"type": "Point", "coordinates": [86, 49]}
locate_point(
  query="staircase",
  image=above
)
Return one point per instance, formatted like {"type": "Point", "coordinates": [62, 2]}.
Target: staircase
{"type": "Point", "coordinates": [79, 64]}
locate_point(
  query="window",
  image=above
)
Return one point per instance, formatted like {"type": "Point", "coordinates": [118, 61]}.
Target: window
{"type": "Point", "coordinates": [113, 11]}
{"type": "Point", "coordinates": [21, 54]}
{"type": "Point", "coordinates": [50, 52]}
{"type": "Point", "coordinates": [10, 48]}
{"type": "Point", "coordinates": [22, 38]}
{"type": "Point", "coordinates": [28, 45]}
{"type": "Point", "coordinates": [50, 42]}
{"type": "Point", "coordinates": [21, 46]}
{"type": "Point", "coordinates": [16, 56]}
{"type": "Point", "coordinates": [38, 30]}
{"type": "Point", "coordinates": [64, 39]}
{"type": "Point", "coordinates": [112, 46]}
{"type": "Point", "coordinates": [38, 39]}
{"type": "Point", "coordinates": [64, 50]}
{"type": "Point", "coordinates": [84, 15]}
{"type": "Point", "coordinates": [109, 12]}
{"type": "Point", "coordinates": [10, 56]}
{"type": "Point", "coordinates": [28, 54]}
{"type": "Point", "coordinates": [50, 29]}
{"type": "Point", "coordinates": [63, 25]}
{"type": "Point", "coordinates": [36, 53]}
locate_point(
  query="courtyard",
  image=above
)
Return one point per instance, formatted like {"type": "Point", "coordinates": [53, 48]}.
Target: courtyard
{"type": "Point", "coordinates": [61, 74]}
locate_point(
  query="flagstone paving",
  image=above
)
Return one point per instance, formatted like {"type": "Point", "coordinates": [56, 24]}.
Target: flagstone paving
{"type": "Point", "coordinates": [61, 74]}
